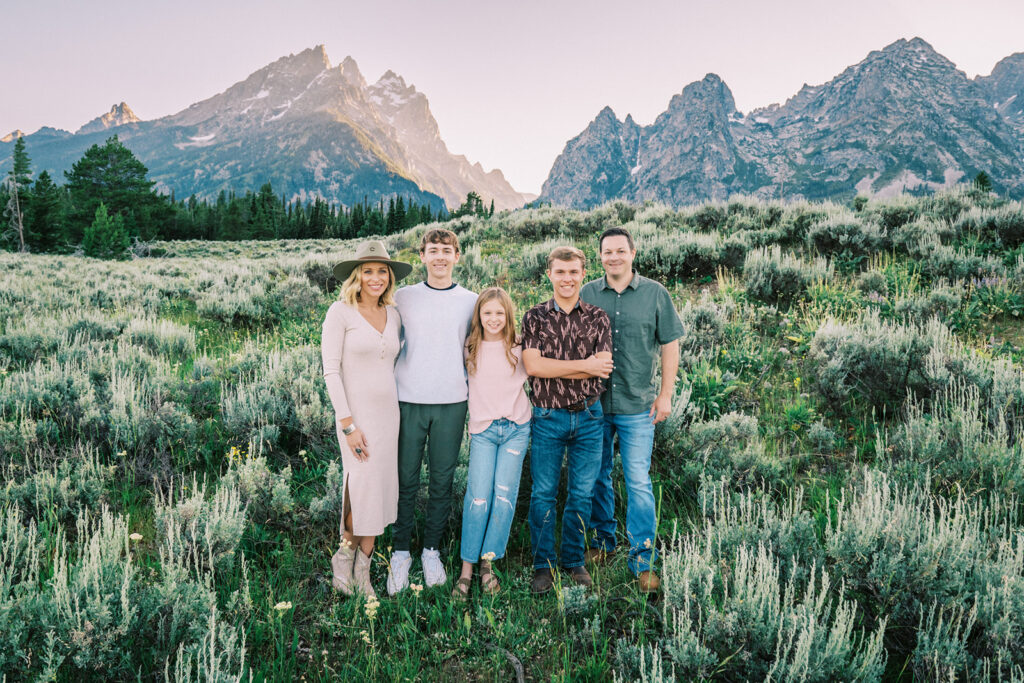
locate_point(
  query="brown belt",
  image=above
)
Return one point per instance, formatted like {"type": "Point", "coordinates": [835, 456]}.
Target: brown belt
{"type": "Point", "coordinates": [582, 404]}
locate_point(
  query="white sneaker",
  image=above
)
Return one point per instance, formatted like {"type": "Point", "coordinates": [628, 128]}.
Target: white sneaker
{"type": "Point", "coordinates": [433, 570]}
{"type": "Point", "coordinates": [398, 573]}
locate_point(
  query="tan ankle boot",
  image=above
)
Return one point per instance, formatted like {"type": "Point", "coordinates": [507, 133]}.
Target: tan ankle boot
{"type": "Point", "coordinates": [361, 575]}
{"type": "Point", "coordinates": [341, 566]}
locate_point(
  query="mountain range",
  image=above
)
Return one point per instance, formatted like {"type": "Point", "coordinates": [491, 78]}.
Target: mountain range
{"type": "Point", "coordinates": [307, 127]}
{"type": "Point", "coordinates": [903, 119]}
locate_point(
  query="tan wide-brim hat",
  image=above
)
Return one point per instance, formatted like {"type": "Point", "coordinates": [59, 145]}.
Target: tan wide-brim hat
{"type": "Point", "coordinates": [372, 251]}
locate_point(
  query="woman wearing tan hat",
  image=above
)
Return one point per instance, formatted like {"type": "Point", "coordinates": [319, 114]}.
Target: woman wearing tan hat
{"type": "Point", "coordinates": [359, 344]}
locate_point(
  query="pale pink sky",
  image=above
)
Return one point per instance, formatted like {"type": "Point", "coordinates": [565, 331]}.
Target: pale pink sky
{"type": "Point", "coordinates": [509, 83]}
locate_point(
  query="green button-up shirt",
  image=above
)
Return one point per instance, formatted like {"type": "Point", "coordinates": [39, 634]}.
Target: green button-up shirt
{"type": "Point", "coordinates": [643, 319]}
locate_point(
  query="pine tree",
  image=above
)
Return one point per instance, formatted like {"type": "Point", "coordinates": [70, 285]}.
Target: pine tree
{"type": "Point", "coordinates": [106, 237]}
{"type": "Point", "coordinates": [18, 196]}
{"type": "Point", "coordinates": [982, 182]}
{"type": "Point", "coordinates": [44, 228]}
{"type": "Point", "coordinates": [110, 174]}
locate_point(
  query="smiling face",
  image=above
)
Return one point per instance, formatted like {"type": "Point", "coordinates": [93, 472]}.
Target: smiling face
{"type": "Point", "coordinates": [566, 278]}
{"type": "Point", "coordinates": [440, 260]}
{"type": "Point", "coordinates": [493, 320]}
{"type": "Point", "coordinates": [374, 279]}
{"type": "Point", "coordinates": [617, 256]}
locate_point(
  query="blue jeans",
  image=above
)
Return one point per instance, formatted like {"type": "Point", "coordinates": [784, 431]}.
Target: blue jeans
{"type": "Point", "coordinates": [554, 432]}
{"type": "Point", "coordinates": [636, 439]}
{"type": "Point", "coordinates": [495, 467]}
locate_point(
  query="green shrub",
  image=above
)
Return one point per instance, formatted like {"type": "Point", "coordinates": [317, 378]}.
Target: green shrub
{"type": "Point", "coordinates": [728, 447]}
{"type": "Point", "coordinates": [265, 493]}
{"type": "Point", "coordinates": [957, 444]}
{"type": "Point", "coordinates": [704, 328]}
{"type": "Point", "coordinates": [59, 489]}
{"type": "Point", "coordinates": [846, 235]}
{"type": "Point", "coordinates": [192, 524]}
{"type": "Point", "coordinates": [953, 263]}
{"type": "Point", "coordinates": [161, 337]}
{"type": "Point", "coordinates": [328, 506]}
{"type": "Point", "coordinates": [1003, 224]}
{"type": "Point", "coordinates": [684, 255]}
{"type": "Point", "coordinates": [776, 278]}
{"type": "Point", "coordinates": [903, 551]}
{"type": "Point", "coordinates": [292, 297]}
{"type": "Point", "coordinates": [875, 362]}
{"type": "Point", "coordinates": [708, 217]}
{"type": "Point", "coordinates": [921, 237]}
{"type": "Point", "coordinates": [283, 402]}
{"type": "Point", "coordinates": [736, 615]}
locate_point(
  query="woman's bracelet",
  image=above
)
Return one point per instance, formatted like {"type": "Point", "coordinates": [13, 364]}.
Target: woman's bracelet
{"type": "Point", "coordinates": [348, 430]}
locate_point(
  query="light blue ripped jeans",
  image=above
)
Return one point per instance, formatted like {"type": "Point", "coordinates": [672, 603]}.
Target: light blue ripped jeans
{"type": "Point", "coordinates": [495, 468]}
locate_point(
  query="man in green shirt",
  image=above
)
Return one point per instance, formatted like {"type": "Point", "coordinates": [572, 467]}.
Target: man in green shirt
{"type": "Point", "coordinates": [645, 328]}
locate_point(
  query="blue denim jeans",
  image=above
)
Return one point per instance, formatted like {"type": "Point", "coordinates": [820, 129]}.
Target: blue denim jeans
{"type": "Point", "coordinates": [495, 467]}
{"type": "Point", "coordinates": [636, 439]}
{"type": "Point", "coordinates": [555, 432]}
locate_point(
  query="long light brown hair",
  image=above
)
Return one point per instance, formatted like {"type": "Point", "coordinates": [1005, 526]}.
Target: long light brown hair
{"type": "Point", "coordinates": [476, 330]}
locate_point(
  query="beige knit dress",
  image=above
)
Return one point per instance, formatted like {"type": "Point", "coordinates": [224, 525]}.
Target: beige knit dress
{"type": "Point", "coordinates": [359, 369]}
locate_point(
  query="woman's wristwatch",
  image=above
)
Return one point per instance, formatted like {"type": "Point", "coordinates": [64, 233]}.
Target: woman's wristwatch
{"type": "Point", "coordinates": [348, 430]}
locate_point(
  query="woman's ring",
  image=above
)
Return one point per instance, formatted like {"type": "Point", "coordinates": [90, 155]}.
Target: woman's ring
{"type": "Point", "coordinates": [359, 450]}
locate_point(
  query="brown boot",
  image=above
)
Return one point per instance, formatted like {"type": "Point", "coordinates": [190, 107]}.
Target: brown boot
{"type": "Point", "coordinates": [580, 576]}
{"type": "Point", "coordinates": [598, 556]}
{"type": "Point", "coordinates": [542, 581]}
{"type": "Point", "coordinates": [648, 582]}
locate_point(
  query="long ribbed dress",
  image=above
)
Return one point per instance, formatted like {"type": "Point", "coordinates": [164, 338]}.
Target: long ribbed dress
{"type": "Point", "coordinates": [359, 369]}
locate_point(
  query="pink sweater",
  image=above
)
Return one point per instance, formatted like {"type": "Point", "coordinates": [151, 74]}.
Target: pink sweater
{"type": "Point", "coordinates": [496, 390]}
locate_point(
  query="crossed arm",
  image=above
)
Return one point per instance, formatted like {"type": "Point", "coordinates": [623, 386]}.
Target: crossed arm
{"type": "Point", "coordinates": [597, 365]}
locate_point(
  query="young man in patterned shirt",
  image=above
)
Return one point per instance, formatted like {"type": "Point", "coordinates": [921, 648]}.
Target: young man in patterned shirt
{"type": "Point", "coordinates": [567, 352]}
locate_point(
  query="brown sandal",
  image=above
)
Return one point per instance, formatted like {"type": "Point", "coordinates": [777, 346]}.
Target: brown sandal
{"type": "Point", "coordinates": [488, 581]}
{"type": "Point", "coordinates": [461, 589]}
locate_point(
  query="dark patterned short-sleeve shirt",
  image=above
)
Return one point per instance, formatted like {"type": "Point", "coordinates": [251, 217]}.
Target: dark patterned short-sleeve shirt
{"type": "Point", "coordinates": [565, 335]}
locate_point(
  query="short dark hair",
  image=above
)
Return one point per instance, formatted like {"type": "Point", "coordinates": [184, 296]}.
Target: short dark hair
{"type": "Point", "coordinates": [439, 236]}
{"type": "Point", "coordinates": [615, 232]}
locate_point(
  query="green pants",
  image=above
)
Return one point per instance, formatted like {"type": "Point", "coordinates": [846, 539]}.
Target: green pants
{"type": "Point", "coordinates": [439, 428]}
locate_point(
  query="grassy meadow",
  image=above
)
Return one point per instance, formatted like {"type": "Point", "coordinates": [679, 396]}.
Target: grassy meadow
{"type": "Point", "coordinates": [839, 485]}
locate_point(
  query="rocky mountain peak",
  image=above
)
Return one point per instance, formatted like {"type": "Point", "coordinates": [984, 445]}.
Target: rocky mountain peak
{"type": "Point", "coordinates": [392, 82]}
{"type": "Point", "coordinates": [350, 71]}
{"type": "Point", "coordinates": [1004, 89]}
{"type": "Point", "coordinates": [605, 118]}
{"type": "Point", "coordinates": [13, 135]}
{"type": "Point", "coordinates": [709, 92]}
{"type": "Point", "coordinates": [119, 115]}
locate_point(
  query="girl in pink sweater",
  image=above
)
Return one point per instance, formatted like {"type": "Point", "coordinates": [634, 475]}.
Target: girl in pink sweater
{"type": "Point", "coordinates": [499, 427]}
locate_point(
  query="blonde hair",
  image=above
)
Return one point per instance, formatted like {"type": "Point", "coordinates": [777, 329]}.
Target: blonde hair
{"type": "Point", "coordinates": [353, 285]}
{"type": "Point", "coordinates": [567, 254]}
{"type": "Point", "coordinates": [476, 330]}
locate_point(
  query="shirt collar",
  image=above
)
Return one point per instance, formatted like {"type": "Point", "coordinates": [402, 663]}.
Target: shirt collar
{"type": "Point", "coordinates": [550, 306]}
{"type": "Point", "coordinates": [633, 283]}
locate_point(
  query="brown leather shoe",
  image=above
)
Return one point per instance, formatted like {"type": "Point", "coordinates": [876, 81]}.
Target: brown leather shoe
{"type": "Point", "coordinates": [648, 582]}
{"type": "Point", "coordinates": [542, 581]}
{"type": "Point", "coordinates": [580, 576]}
{"type": "Point", "coordinates": [598, 556]}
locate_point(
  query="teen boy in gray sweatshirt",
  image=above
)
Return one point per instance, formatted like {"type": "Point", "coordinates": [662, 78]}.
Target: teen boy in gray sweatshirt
{"type": "Point", "coordinates": [432, 395]}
